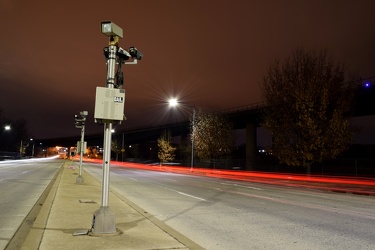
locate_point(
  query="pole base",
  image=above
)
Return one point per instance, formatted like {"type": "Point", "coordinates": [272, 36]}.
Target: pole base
{"type": "Point", "coordinates": [103, 222]}
{"type": "Point", "coordinates": [80, 180]}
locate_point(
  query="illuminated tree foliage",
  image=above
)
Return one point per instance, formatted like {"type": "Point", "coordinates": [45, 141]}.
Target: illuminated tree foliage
{"type": "Point", "coordinates": [166, 151]}
{"type": "Point", "coordinates": [306, 102]}
{"type": "Point", "coordinates": [212, 134]}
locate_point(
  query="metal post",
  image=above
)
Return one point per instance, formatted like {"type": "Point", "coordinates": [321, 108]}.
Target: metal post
{"type": "Point", "coordinates": [122, 148]}
{"type": "Point", "coordinates": [80, 179]}
{"type": "Point", "coordinates": [104, 221]}
{"type": "Point", "coordinates": [192, 142]}
{"type": "Point", "coordinates": [106, 163]}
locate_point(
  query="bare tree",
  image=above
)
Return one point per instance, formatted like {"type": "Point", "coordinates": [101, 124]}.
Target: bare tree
{"type": "Point", "coordinates": [306, 106]}
{"type": "Point", "coordinates": [116, 147]}
{"type": "Point", "coordinates": [166, 151]}
{"type": "Point", "coordinates": [212, 134]}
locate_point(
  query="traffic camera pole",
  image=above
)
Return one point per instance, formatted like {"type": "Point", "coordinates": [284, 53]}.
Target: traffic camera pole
{"type": "Point", "coordinates": [80, 179]}
{"type": "Point", "coordinates": [111, 64]}
{"type": "Point", "coordinates": [80, 123]}
{"type": "Point", "coordinates": [104, 221]}
{"type": "Point", "coordinates": [109, 108]}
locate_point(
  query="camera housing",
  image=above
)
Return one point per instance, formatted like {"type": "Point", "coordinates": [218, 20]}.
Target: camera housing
{"type": "Point", "coordinates": [135, 54]}
{"type": "Point", "coordinates": [123, 54]}
{"type": "Point", "coordinates": [111, 29]}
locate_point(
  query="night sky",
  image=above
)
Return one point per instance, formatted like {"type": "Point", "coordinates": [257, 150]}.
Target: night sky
{"type": "Point", "coordinates": [206, 53]}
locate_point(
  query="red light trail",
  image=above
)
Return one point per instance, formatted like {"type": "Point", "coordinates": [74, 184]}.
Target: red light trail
{"type": "Point", "coordinates": [364, 186]}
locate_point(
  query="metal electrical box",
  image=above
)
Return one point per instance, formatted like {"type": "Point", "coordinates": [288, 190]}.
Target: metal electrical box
{"type": "Point", "coordinates": [109, 104]}
{"type": "Point", "coordinates": [80, 148]}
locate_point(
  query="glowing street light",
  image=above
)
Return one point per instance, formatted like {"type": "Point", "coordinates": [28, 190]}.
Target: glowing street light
{"type": "Point", "coordinates": [173, 102]}
{"type": "Point", "coordinates": [7, 127]}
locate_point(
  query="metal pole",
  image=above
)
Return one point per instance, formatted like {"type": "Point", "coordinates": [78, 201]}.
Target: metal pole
{"type": "Point", "coordinates": [108, 128]}
{"type": "Point", "coordinates": [82, 146]}
{"type": "Point", "coordinates": [106, 163]}
{"type": "Point", "coordinates": [80, 179]}
{"type": "Point", "coordinates": [122, 148]}
{"type": "Point", "coordinates": [104, 221]}
{"type": "Point", "coordinates": [192, 142]}
{"type": "Point", "coordinates": [21, 149]}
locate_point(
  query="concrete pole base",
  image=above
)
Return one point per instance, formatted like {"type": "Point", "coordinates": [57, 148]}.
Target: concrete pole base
{"type": "Point", "coordinates": [80, 180]}
{"type": "Point", "coordinates": [104, 222]}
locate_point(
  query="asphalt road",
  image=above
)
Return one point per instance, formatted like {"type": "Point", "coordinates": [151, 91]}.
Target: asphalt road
{"type": "Point", "coordinates": [22, 182]}
{"type": "Point", "coordinates": [225, 214]}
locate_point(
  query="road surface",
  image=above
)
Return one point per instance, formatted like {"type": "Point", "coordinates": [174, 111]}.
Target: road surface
{"type": "Point", "coordinates": [22, 182]}
{"type": "Point", "coordinates": [226, 214]}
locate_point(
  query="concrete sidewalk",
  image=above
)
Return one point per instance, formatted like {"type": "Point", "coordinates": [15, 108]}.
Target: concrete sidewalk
{"type": "Point", "coordinates": [69, 208]}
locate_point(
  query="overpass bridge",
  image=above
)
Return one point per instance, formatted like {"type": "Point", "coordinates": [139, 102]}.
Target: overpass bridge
{"type": "Point", "coordinates": [243, 117]}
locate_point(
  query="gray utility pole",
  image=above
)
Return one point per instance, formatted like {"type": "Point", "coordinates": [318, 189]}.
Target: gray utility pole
{"type": "Point", "coordinates": [81, 145]}
{"type": "Point", "coordinates": [109, 109]}
{"type": "Point", "coordinates": [192, 142]}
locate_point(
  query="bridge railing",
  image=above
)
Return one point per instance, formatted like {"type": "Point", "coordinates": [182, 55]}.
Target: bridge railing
{"type": "Point", "coordinates": [248, 107]}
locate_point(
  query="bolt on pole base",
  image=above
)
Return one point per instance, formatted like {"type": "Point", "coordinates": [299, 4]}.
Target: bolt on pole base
{"type": "Point", "coordinates": [80, 180]}
{"type": "Point", "coordinates": [104, 222]}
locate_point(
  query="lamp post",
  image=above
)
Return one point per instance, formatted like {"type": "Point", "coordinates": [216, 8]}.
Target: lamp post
{"type": "Point", "coordinates": [32, 151]}
{"type": "Point", "coordinates": [6, 142]}
{"type": "Point", "coordinates": [173, 103]}
{"type": "Point", "coordinates": [21, 149]}
{"type": "Point", "coordinates": [192, 142]}
{"type": "Point", "coordinates": [122, 148]}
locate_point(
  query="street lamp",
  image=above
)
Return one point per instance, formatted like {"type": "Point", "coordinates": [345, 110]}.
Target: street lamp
{"type": "Point", "coordinates": [173, 102]}
{"type": "Point", "coordinates": [7, 128]}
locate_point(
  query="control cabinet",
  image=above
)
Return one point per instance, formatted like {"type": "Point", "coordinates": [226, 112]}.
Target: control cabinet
{"type": "Point", "coordinates": [109, 104]}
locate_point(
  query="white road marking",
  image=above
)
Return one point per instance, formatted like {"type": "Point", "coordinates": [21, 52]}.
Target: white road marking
{"type": "Point", "coordinates": [170, 179]}
{"type": "Point", "coordinates": [133, 179]}
{"type": "Point", "coordinates": [248, 187]}
{"type": "Point", "coordinates": [234, 184]}
{"type": "Point", "coordinates": [191, 196]}
{"type": "Point", "coordinates": [25, 172]}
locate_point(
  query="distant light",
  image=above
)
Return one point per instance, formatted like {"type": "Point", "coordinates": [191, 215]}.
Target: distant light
{"type": "Point", "coordinates": [112, 131]}
{"type": "Point", "coordinates": [367, 85]}
{"type": "Point", "coordinates": [173, 102]}
{"type": "Point", "coordinates": [7, 127]}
